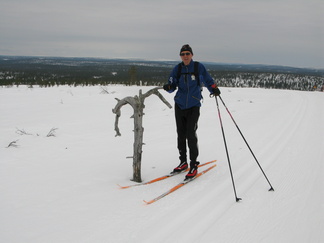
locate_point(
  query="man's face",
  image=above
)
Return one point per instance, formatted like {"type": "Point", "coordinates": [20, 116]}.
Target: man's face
{"type": "Point", "coordinates": [186, 57]}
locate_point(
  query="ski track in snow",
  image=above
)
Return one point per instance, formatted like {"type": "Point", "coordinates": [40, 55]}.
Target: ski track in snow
{"type": "Point", "coordinates": [63, 188]}
{"type": "Point", "coordinates": [298, 223]}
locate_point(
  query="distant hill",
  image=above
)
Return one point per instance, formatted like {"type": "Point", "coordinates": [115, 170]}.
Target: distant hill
{"type": "Point", "coordinates": [18, 61]}
{"type": "Point", "coordinates": [48, 71]}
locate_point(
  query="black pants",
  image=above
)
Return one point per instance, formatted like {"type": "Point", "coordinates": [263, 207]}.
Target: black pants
{"type": "Point", "coordinates": [187, 124]}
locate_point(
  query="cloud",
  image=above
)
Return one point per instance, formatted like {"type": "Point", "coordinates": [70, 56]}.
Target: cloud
{"type": "Point", "coordinates": [252, 31]}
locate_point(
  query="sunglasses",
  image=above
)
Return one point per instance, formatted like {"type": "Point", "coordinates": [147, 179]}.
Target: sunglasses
{"type": "Point", "coordinates": [185, 54]}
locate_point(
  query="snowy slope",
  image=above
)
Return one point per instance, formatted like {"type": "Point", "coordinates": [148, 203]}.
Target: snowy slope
{"type": "Point", "coordinates": [63, 188]}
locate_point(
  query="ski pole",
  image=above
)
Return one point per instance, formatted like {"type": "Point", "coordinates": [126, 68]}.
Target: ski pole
{"type": "Point", "coordinates": [228, 158]}
{"type": "Point", "coordinates": [271, 189]}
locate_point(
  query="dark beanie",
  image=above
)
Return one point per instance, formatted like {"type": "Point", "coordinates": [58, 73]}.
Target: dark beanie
{"type": "Point", "coordinates": [186, 47]}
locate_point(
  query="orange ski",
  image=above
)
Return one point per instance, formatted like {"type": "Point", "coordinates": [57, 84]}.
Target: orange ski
{"type": "Point", "coordinates": [178, 186]}
{"type": "Point", "coordinates": [162, 177]}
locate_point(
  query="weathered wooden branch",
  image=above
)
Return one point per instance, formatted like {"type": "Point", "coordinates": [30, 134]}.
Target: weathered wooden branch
{"type": "Point", "coordinates": [13, 144]}
{"type": "Point", "coordinates": [137, 102]}
{"type": "Point", "coordinates": [51, 133]}
{"type": "Point", "coordinates": [120, 104]}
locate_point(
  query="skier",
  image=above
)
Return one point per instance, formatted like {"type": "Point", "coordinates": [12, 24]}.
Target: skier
{"type": "Point", "coordinates": [188, 77]}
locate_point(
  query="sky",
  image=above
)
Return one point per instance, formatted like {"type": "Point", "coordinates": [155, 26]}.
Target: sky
{"type": "Point", "coordinates": [276, 32]}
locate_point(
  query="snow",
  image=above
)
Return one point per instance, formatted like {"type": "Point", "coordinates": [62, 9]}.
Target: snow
{"type": "Point", "coordinates": [63, 188]}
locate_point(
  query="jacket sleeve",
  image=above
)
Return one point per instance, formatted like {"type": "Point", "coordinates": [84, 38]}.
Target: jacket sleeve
{"type": "Point", "coordinates": [173, 79]}
{"type": "Point", "coordinates": [205, 77]}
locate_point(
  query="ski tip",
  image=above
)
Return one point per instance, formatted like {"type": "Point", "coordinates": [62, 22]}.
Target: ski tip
{"type": "Point", "coordinates": [207, 163]}
{"type": "Point", "coordinates": [148, 202]}
{"type": "Point", "coordinates": [212, 161]}
{"type": "Point", "coordinates": [122, 187]}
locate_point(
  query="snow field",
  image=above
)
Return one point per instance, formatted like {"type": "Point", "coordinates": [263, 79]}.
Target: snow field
{"type": "Point", "coordinates": [63, 188]}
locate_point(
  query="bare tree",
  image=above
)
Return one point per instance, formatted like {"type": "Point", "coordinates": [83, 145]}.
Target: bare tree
{"type": "Point", "coordinates": [137, 102]}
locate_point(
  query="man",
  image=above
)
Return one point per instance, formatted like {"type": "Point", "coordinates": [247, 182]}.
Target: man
{"type": "Point", "coordinates": [188, 77]}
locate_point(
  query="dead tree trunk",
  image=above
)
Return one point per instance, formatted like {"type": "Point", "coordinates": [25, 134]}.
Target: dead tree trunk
{"type": "Point", "coordinates": [137, 102]}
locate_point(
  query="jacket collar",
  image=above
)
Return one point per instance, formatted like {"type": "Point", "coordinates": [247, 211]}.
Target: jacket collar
{"type": "Point", "coordinates": [189, 65]}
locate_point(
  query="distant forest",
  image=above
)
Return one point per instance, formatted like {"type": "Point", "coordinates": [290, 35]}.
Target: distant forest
{"type": "Point", "coordinates": [55, 71]}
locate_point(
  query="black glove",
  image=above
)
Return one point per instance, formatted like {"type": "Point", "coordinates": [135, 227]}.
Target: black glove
{"type": "Point", "coordinates": [167, 87]}
{"type": "Point", "coordinates": [215, 90]}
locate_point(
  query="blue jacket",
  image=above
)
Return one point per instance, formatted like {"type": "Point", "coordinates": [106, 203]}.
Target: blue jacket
{"type": "Point", "coordinates": [189, 89]}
